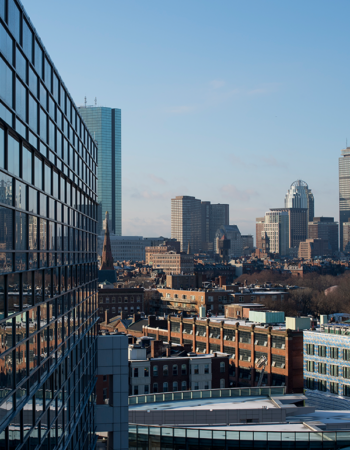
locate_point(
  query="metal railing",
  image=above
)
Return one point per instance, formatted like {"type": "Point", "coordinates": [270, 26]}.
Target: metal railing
{"type": "Point", "coordinates": [331, 440]}
{"type": "Point", "coordinates": [207, 393]}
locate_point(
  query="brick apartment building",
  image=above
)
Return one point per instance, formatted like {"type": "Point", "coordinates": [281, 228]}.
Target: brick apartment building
{"type": "Point", "coordinates": [214, 300]}
{"type": "Point", "coordinates": [175, 373]}
{"type": "Point", "coordinates": [245, 344]}
{"type": "Point", "coordinates": [172, 263]}
{"type": "Point", "coordinates": [114, 301]}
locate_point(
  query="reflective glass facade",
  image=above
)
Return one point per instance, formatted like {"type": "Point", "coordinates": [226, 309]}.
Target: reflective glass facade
{"type": "Point", "coordinates": [104, 125]}
{"type": "Point", "coordinates": [48, 264]}
{"type": "Point", "coordinates": [344, 194]}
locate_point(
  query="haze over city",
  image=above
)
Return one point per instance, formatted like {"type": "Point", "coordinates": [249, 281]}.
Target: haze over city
{"type": "Point", "coordinates": [229, 102]}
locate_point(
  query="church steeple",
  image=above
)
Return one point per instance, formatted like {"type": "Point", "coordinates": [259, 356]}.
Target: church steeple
{"type": "Point", "coordinates": [107, 258]}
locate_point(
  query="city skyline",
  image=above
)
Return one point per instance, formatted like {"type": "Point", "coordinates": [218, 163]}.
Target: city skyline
{"type": "Point", "coordinates": [246, 94]}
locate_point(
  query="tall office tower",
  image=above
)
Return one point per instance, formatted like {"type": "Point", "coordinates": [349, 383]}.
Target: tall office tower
{"type": "Point", "coordinates": [104, 125]}
{"type": "Point", "coordinates": [344, 193]}
{"type": "Point", "coordinates": [325, 228]}
{"type": "Point", "coordinates": [48, 260]}
{"type": "Point", "coordinates": [259, 226]}
{"type": "Point", "coordinates": [298, 225]}
{"type": "Point", "coordinates": [300, 196]}
{"type": "Point", "coordinates": [186, 222]}
{"type": "Point", "coordinates": [213, 217]}
{"type": "Point", "coordinates": [276, 228]}
{"type": "Point", "coordinates": [346, 237]}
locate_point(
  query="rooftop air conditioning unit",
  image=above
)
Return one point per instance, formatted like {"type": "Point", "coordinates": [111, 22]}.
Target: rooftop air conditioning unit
{"type": "Point", "coordinates": [273, 345]}
{"type": "Point", "coordinates": [265, 344]}
{"type": "Point", "coordinates": [273, 363]}
{"type": "Point", "coordinates": [240, 357]}
{"type": "Point", "coordinates": [249, 358]}
{"type": "Point", "coordinates": [283, 346]}
{"type": "Point", "coordinates": [283, 365]}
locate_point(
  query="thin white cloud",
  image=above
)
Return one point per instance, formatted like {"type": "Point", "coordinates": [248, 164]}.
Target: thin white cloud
{"type": "Point", "coordinates": [157, 180]}
{"type": "Point", "coordinates": [232, 192]}
{"type": "Point", "coordinates": [217, 84]}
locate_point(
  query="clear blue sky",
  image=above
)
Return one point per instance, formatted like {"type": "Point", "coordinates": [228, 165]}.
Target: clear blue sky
{"type": "Point", "coordinates": [228, 101]}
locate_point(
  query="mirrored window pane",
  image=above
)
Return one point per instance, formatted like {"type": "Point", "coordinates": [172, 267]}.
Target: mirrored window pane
{"type": "Point", "coordinates": [27, 161]}
{"type": "Point", "coordinates": [13, 154]}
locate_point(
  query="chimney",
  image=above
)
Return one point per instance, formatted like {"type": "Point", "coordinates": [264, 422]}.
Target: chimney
{"type": "Point", "coordinates": [156, 349]}
{"type": "Point", "coordinates": [168, 352]}
{"type": "Point", "coordinates": [106, 317]}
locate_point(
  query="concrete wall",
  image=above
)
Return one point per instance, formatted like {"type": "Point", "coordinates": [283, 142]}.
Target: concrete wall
{"type": "Point", "coordinates": [112, 360]}
{"type": "Point", "coordinates": [207, 417]}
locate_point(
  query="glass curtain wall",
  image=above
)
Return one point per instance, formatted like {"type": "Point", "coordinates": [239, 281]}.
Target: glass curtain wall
{"type": "Point", "coordinates": [48, 264]}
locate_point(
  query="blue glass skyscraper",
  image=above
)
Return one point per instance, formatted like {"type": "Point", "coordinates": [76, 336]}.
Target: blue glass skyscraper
{"type": "Point", "coordinates": [104, 125]}
{"type": "Point", "coordinates": [48, 260]}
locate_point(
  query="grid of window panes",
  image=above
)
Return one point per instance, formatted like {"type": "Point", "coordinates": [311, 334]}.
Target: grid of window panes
{"type": "Point", "coordinates": [48, 266]}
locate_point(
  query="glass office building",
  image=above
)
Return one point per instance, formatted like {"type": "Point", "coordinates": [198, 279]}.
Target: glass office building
{"type": "Point", "coordinates": [105, 126]}
{"type": "Point", "coordinates": [48, 264]}
{"type": "Point", "coordinates": [344, 194]}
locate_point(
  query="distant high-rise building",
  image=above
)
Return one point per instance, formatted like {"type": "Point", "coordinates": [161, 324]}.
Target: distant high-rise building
{"type": "Point", "coordinates": [259, 232]}
{"type": "Point", "coordinates": [104, 125]}
{"type": "Point", "coordinates": [300, 196]}
{"type": "Point", "coordinates": [276, 229]}
{"type": "Point", "coordinates": [231, 234]}
{"type": "Point", "coordinates": [346, 237]}
{"type": "Point", "coordinates": [186, 222]}
{"type": "Point", "coordinates": [325, 228]}
{"type": "Point", "coordinates": [344, 193]}
{"type": "Point", "coordinates": [298, 225]}
{"type": "Point", "coordinates": [213, 217]}
{"type": "Point", "coordinates": [48, 260]}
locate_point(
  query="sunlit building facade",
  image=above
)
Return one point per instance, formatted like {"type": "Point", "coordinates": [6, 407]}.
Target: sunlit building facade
{"type": "Point", "coordinates": [344, 194]}
{"type": "Point", "coordinates": [48, 264]}
{"type": "Point", "coordinates": [105, 126]}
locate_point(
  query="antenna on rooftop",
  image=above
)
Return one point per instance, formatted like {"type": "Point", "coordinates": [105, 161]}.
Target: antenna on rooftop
{"type": "Point", "coordinates": [95, 101]}
{"type": "Point", "coordinates": [85, 101]}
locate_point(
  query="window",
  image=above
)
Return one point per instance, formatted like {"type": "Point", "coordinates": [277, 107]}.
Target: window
{"type": "Point", "coordinates": [165, 387]}
{"type": "Point", "coordinates": [107, 299]}
{"type": "Point", "coordinates": [195, 386]}
{"type": "Point", "coordinates": [322, 385]}
{"type": "Point", "coordinates": [104, 377]}
{"type": "Point", "coordinates": [346, 372]}
{"type": "Point", "coordinates": [222, 383]}
{"type": "Point", "coordinates": [333, 352]}
{"type": "Point", "coordinates": [155, 371]}
{"type": "Point", "coordinates": [346, 354]}
{"type": "Point", "coordinates": [175, 372]}
{"type": "Point", "coordinates": [184, 386]}
{"type": "Point", "coordinates": [155, 387]}
{"type": "Point", "coordinates": [195, 369]}
{"type": "Point", "coordinates": [322, 368]}
{"type": "Point", "coordinates": [146, 389]}
{"type": "Point", "coordinates": [310, 366]}
{"type": "Point", "coordinates": [136, 390]}
{"type": "Point", "coordinates": [113, 299]}
{"type": "Point", "coordinates": [136, 372]}
{"type": "Point", "coordinates": [183, 369]}
{"type": "Point", "coordinates": [119, 299]}
{"type": "Point", "coordinates": [165, 371]}
{"type": "Point", "coordinates": [104, 394]}
{"type": "Point", "coordinates": [334, 388]}
{"type": "Point", "coordinates": [310, 349]}
{"type": "Point", "coordinates": [206, 368]}
{"type": "Point", "coordinates": [222, 367]}
{"type": "Point", "coordinates": [146, 372]}
{"type": "Point", "coordinates": [310, 383]}
{"type": "Point", "coordinates": [113, 309]}
{"type": "Point", "coordinates": [175, 386]}
{"type": "Point", "coordinates": [346, 390]}
{"type": "Point", "coordinates": [322, 350]}
{"type": "Point", "coordinates": [334, 370]}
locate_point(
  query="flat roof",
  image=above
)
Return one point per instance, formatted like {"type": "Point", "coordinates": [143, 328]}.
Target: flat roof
{"type": "Point", "coordinates": [257, 402]}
